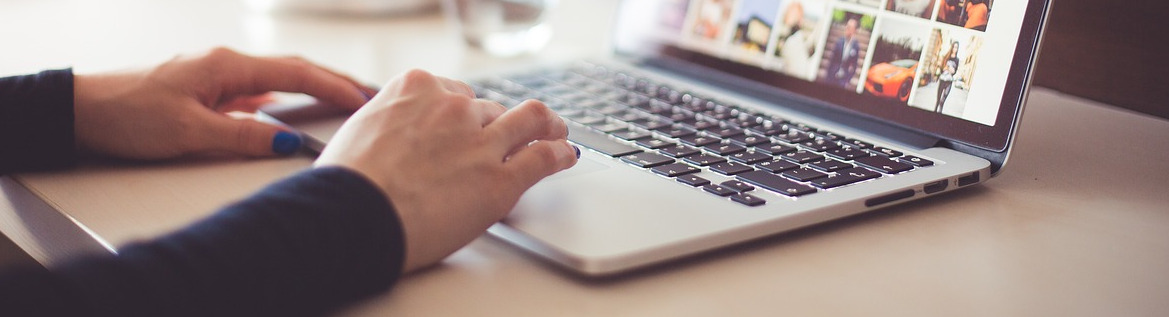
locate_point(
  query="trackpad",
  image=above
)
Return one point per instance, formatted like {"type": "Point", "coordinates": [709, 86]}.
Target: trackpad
{"type": "Point", "coordinates": [583, 166]}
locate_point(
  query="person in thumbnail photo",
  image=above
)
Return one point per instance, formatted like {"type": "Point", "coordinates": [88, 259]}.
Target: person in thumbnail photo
{"type": "Point", "coordinates": [713, 16]}
{"type": "Point", "coordinates": [796, 37]}
{"type": "Point", "coordinates": [845, 50]}
{"type": "Point", "coordinates": [918, 8]}
{"type": "Point", "coordinates": [754, 23]}
{"type": "Point", "coordinates": [970, 14]}
{"type": "Point", "coordinates": [947, 73]}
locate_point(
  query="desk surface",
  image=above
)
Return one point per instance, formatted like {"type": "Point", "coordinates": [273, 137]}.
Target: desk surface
{"type": "Point", "coordinates": [1076, 225]}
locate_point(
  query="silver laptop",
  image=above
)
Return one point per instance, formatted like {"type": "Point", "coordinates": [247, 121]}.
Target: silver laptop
{"type": "Point", "coordinates": [720, 121]}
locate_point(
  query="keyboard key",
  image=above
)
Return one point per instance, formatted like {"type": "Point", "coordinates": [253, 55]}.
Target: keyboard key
{"type": "Point", "coordinates": [741, 122]}
{"type": "Point", "coordinates": [776, 183]}
{"type": "Point", "coordinates": [599, 142]}
{"type": "Point", "coordinates": [703, 125]}
{"type": "Point", "coordinates": [698, 140]}
{"type": "Point", "coordinates": [829, 165]}
{"type": "Point", "coordinates": [724, 149]}
{"type": "Point", "coordinates": [774, 149]}
{"type": "Point", "coordinates": [831, 136]}
{"type": "Point", "coordinates": [749, 140]}
{"type": "Point", "coordinates": [676, 116]}
{"type": "Point", "coordinates": [803, 174]}
{"type": "Point", "coordinates": [589, 119]}
{"type": "Point", "coordinates": [628, 116]}
{"type": "Point", "coordinates": [887, 151]}
{"type": "Point", "coordinates": [718, 190]}
{"type": "Point", "coordinates": [776, 165]}
{"type": "Point", "coordinates": [650, 124]}
{"type": "Point", "coordinates": [611, 127]}
{"type": "Point", "coordinates": [704, 160]}
{"type": "Point", "coordinates": [858, 143]}
{"type": "Point", "coordinates": [654, 143]}
{"type": "Point", "coordinates": [693, 180]}
{"type": "Point", "coordinates": [801, 157]}
{"type": "Point", "coordinates": [724, 133]}
{"type": "Point", "coordinates": [915, 161]}
{"type": "Point", "coordinates": [748, 200]}
{"type": "Point", "coordinates": [848, 153]}
{"type": "Point", "coordinates": [611, 109]}
{"type": "Point", "coordinates": [800, 127]}
{"type": "Point", "coordinates": [675, 170]}
{"type": "Point", "coordinates": [737, 186]}
{"type": "Point", "coordinates": [820, 145]}
{"type": "Point", "coordinates": [845, 177]}
{"type": "Point", "coordinates": [750, 157]}
{"type": "Point", "coordinates": [730, 168]}
{"type": "Point", "coordinates": [632, 135]}
{"type": "Point", "coordinates": [767, 130]}
{"type": "Point", "coordinates": [647, 160]}
{"type": "Point", "coordinates": [884, 164]}
{"type": "Point", "coordinates": [677, 131]}
{"type": "Point", "coordinates": [795, 137]}
{"type": "Point", "coordinates": [679, 150]}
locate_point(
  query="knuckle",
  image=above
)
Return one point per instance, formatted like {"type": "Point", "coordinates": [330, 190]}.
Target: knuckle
{"type": "Point", "coordinates": [536, 110]}
{"type": "Point", "coordinates": [416, 75]}
{"type": "Point", "coordinates": [544, 154]}
{"type": "Point", "coordinates": [414, 79]}
{"type": "Point", "coordinates": [220, 53]}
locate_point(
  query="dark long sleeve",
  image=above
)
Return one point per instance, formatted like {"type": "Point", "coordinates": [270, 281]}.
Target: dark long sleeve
{"type": "Point", "coordinates": [36, 122]}
{"type": "Point", "coordinates": [303, 246]}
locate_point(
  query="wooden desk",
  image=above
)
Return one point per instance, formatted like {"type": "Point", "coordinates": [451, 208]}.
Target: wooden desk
{"type": "Point", "coordinates": [1077, 225]}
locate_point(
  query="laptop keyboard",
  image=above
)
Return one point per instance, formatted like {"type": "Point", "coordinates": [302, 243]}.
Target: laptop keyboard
{"type": "Point", "coordinates": [677, 134]}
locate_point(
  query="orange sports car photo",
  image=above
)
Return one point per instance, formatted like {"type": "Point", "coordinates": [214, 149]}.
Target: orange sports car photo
{"type": "Point", "coordinates": [892, 80]}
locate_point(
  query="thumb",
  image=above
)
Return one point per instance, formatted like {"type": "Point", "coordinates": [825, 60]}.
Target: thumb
{"type": "Point", "coordinates": [250, 137]}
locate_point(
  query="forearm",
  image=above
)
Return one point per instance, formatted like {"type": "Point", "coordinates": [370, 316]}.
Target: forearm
{"type": "Point", "coordinates": [36, 122]}
{"type": "Point", "coordinates": [303, 246]}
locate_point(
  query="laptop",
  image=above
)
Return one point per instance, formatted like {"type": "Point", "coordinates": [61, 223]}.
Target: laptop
{"type": "Point", "coordinates": [717, 122]}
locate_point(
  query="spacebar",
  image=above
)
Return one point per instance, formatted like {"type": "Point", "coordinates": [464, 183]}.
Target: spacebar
{"type": "Point", "coordinates": [598, 142]}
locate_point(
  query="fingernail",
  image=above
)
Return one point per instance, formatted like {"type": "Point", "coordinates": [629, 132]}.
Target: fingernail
{"type": "Point", "coordinates": [286, 143]}
{"type": "Point", "coordinates": [577, 151]}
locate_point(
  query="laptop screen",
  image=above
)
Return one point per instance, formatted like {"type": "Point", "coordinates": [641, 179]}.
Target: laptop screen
{"type": "Point", "coordinates": [956, 69]}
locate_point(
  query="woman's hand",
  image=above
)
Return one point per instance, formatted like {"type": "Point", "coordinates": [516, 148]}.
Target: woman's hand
{"type": "Point", "coordinates": [180, 107]}
{"type": "Point", "coordinates": [451, 164]}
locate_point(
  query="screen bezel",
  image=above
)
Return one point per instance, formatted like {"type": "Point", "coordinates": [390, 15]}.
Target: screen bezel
{"type": "Point", "coordinates": [996, 138]}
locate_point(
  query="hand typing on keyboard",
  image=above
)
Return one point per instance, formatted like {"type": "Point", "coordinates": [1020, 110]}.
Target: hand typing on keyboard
{"type": "Point", "coordinates": [451, 164]}
{"type": "Point", "coordinates": [677, 134]}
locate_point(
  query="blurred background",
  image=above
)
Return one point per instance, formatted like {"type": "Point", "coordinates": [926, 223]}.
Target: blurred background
{"type": "Point", "coordinates": [1110, 51]}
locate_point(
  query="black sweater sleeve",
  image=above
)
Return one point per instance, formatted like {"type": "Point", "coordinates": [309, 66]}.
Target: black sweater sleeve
{"type": "Point", "coordinates": [36, 122]}
{"type": "Point", "coordinates": [304, 246]}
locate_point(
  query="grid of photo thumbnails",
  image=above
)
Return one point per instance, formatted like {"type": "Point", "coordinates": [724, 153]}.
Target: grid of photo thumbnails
{"type": "Point", "coordinates": [923, 53]}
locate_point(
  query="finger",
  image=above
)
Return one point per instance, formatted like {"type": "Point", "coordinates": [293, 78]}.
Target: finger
{"type": "Point", "coordinates": [527, 122]}
{"type": "Point", "coordinates": [249, 137]}
{"type": "Point", "coordinates": [491, 110]}
{"type": "Point", "coordinates": [541, 159]}
{"type": "Point", "coordinates": [456, 86]}
{"type": "Point", "coordinates": [245, 103]}
{"type": "Point", "coordinates": [252, 75]}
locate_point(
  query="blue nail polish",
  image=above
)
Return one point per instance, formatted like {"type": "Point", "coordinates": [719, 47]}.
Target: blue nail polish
{"type": "Point", "coordinates": [577, 151]}
{"type": "Point", "coordinates": [286, 143]}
